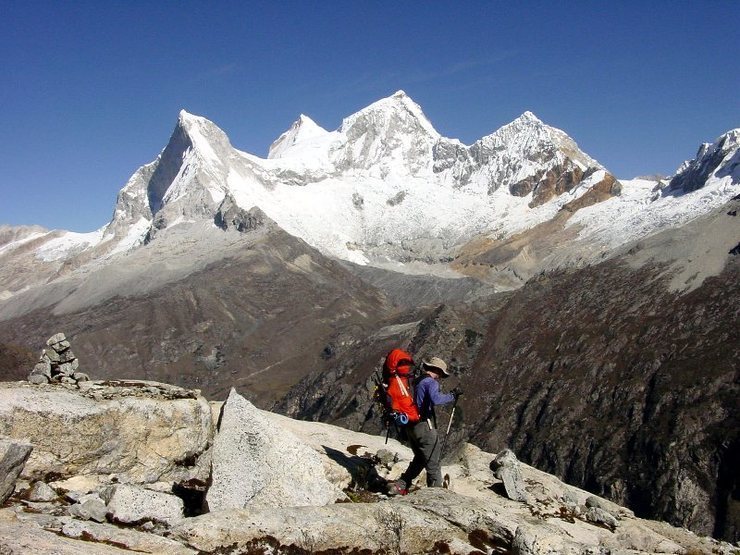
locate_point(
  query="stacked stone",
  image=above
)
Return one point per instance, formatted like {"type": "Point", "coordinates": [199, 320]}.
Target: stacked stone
{"type": "Point", "coordinates": [57, 364]}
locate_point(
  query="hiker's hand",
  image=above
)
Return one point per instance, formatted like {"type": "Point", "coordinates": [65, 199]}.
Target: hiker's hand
{"type": "Point", "coordinates": [457, 392]}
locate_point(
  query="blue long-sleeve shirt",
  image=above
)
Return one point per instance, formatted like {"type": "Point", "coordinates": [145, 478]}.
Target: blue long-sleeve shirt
{"type": "Point", "coordinates": [427, 395]}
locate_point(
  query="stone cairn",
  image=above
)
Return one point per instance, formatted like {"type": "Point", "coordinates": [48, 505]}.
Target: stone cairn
{"type": "Point", "coordinates": [57, 364]}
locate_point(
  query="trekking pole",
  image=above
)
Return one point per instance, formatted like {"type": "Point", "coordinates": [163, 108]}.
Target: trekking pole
{"type": "Point", "coordinates": [452, 416]}
{"type": "Point", "coordinates": [449, 426]}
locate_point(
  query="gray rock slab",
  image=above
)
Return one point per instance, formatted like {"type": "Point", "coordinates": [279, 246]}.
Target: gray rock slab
{"type": "Point", "coordinates": [137, 433]}
{"type": "Point", "coordinates": [90, 509]}
{"type": "Point", "coordinates": [43, 368]}
{"type": "Point", "coordinates": [610, 507]}
{"type": "Point", "coordinates": [66, 369]}
{"type": "Point", "coordinates": [41, 491]}
{"type": "Point", "coordinates": [77, 487]}
{"type": "Point", "coordinates": [51, 355]}
{"type": "Point", "coordinates": [541, 540]}
{"type": "Point", "coordinates": [350, 450]}
{"type": "Point", "coordinates": [13, 456]}
{"type": "Point", "coordinates": [22, 534]}
{"type": "Point", "coordinates": [133, 540]}
{"type": "Point", "coordinates": [600, 517]}
{"type": "Point", "coordinates": [61, 346]}
{"type": "Point", "coordinates": [506, 468]}
{"type": "Point", "coordinates": [56, 338]}
{"type": "Point", "coordinates": [39, 534]}
{"type": "Point", "coordinates": [376, 527]}
{"type": "Point", "coordinates": [130, 504]}
{"type": "Point", "coordinates": [256, 462]}
{"type": "Point", "coordinates": [67, 356]}
{"type": "Point", "coordinates": [38, 379]}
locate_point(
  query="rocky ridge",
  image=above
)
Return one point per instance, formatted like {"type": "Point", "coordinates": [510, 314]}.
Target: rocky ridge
{"type": "Point", "coordinates": [83, 507]}
{"type": "Point", "coordinates": [719, 159]}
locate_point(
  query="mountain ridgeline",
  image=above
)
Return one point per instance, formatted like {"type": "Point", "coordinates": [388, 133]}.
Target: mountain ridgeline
{"type": "Point", "coordinates": [591, 320]}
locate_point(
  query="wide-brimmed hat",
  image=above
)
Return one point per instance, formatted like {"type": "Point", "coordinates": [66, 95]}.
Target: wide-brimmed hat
{"type": "Point", "coordinates": [436, 364]}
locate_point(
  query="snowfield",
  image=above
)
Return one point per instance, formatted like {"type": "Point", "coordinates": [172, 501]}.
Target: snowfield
{"type": "Point", "coordinates": [644, 207]}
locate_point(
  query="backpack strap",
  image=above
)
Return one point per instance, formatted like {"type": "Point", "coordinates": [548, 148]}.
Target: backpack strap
{"type": "Point", "coordinates": [404, 391]}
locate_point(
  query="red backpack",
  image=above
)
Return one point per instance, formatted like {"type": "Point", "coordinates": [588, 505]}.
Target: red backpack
{"type": "Point", "coordinates": [397, 386]}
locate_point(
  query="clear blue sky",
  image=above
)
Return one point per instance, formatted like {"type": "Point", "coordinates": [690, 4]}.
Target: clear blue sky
{"type": "Point", "coordinates": [90, 90]}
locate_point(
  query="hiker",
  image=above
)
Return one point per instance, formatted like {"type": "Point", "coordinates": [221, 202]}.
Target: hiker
{"type": "Point", "coordinates": [423, 435]}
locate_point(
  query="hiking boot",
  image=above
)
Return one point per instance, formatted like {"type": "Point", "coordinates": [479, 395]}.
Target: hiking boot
{"type": "Point", "coordinates": [397, 488]}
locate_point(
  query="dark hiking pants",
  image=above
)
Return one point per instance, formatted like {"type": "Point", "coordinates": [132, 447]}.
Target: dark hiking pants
{"type": "Point", "coordinates": [427, 450]}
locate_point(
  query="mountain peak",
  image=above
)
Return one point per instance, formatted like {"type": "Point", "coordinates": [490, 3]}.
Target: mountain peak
{"type": "Point", "coordinates": [527, 127]}
{"type": "Point", "coordinates": [203, 135]}
{"type": "Point", "coordinates": [529, 133]}
{"type": "Point", "coordinates": [718, 160]}
{"type": "Point", "coordinates": [399, 108]}
{"type": "Point", "coordinates": [190, 169]}
{"type": "Point", "coordinates": [184, 116]}
{"type": "Point", "coordinates": [302, 130]}
{"type": "Point", "coordinates": [392, 130]}
{"type": "Point", "coordinates": [528, 116]}
{"type": "Point", "coordinates": [188, 121]}
{"type": "Point", "coordinates": [527, 119]}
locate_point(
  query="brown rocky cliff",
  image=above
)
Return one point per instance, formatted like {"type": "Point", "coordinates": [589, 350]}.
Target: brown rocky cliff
{"type": "Point", "coordinates": [605, 379]}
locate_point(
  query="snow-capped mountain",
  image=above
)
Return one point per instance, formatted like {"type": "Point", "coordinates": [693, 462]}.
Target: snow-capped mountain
{"type": "Point", "coordinates": [186, 180]}
{"type": "Point", "coordinates": [713, 162]}
{"type": "Point", "coordinates": [385, 185]}
{"type": "Point", "coordinates": [387, 189]}
{"type": "Point", "coordinates": [525, 156]}
{"type": "Point", "coordinates": [304, 131]}
{"type": "Point", "coordinates": [646, 206]}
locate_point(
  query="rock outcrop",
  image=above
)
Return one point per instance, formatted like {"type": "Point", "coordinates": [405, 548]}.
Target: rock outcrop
{"type": "Point", "coordinates": [41, 492]}
{"type": "Point", "coordinates": [230, 216]}
{"type": "Point", "coordinates": [287, 462]}
{"type": "Point", "coordinates": [133, 431]}
{"type": "Point", "coordinates": [505, 467]}
{"type": "Point", "coordinates": [90, 507]}
{"type": "Point", "coordinates": [470, 516]}
{"type": "Point", "coordinates": [258, 463]}
{"type": "Point", "coordinates": [130, 504]}
{"type": "Point", "coordinates": [22, 532]}
{"type": "Point", "coordinates": [13, 455]}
